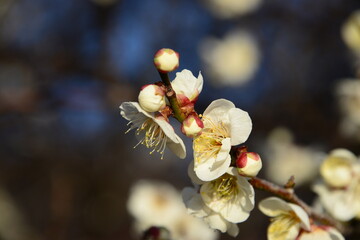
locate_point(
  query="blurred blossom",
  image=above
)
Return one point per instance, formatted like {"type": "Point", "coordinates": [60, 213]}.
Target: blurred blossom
{"type": "Point", "coordinates": [231, 8]}
{"type": "Point", "coordinates": [351, 32]}
{"type": "Point", "coordinates": [232, 61]}
{"type": "Point", "coordinates": [4, 7]}
{"type": "Point", "coordinates": [342, 201]}
{"type": "Point", "coordinates": [285, 157]}
{"type": "Point", "coordinates": [12, 221]}
{"type": "Point", "coordinates": [348, 93]}
{"type": "Point", "coordinates": [17, 88]}
{"type": "Point", "coordinates": [154, 203]}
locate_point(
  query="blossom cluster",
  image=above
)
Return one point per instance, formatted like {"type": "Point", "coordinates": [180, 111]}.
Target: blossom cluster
{"type": "Point", "coordinates": [222, 167]}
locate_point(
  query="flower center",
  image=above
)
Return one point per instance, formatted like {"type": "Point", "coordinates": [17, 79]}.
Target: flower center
{"type": "Point", "coordinates": [225, 187]}
{"type": "Point", "coordinates": [153, 136]}
{"type": "Point", "coordinates": [209, 143]}
{"type": "Point", "coordinates": [281, 224]}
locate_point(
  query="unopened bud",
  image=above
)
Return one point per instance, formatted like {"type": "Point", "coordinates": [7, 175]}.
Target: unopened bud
{"type": "Point", "coordinates": [166, 60]}
{"type": "Point", "coordinates": [152, 98]}
{"type": "Point", "coordinates": [248, 164]}
{"type": "Point", "coordinates": [336, 170]}
{"type": "Point", "coordinates": [156, 233]}
{"type": "Point", "coordinates": [192, 125]}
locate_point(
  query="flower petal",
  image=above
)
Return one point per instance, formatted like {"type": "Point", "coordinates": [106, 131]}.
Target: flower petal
{"type": "Point", "coordinates": [132, 110]}
{"type": "Point", "coordinates": [167, 129]}
{"type": "Point", "coordinates": [302, 215]}
{"type": "Point", "coordinates": [232, 229]}
{"type": "Point", "coordinates": [194, 202]}
{"type": "Point", "coordinates": [321, 233]}
{"type": "Point", "coordinates": [178, 147]}
{"type": "Point", "coordinates": [274, 206]}
{"type": "Point", "coordinates": [240, 125]}
{"type": "Point", "coordinates": [218, 110]}
{"type": "Point", "coordinates": [191, 173]}
{"type": "Point", "coordinates": [336, 202]}
{"type": "Point", "coordinates": [185, 83]}
{"type": "Point", "coordinates": [215, 221]}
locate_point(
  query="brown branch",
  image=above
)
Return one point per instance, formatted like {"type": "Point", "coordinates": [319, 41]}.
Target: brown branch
{"type": "Point", "coordinates": [171, 96]}
{"type": "Point", "coordinates": [289, 195]}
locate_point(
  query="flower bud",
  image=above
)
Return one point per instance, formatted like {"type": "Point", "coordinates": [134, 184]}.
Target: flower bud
{"type": "Point", "coordinates": [248, 164]}
{"type": "Point", "coordinates": [157, 233]}
{"type": "Point", "coordinates": [336, 170]}
{"type": "Point", "coordinates": [166, 60]}
{"type": "Point", "coordinates": [192, 125]}
{"type": "Point", "coordinates": [152, 98]}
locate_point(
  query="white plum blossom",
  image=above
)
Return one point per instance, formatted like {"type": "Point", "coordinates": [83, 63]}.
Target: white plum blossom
{"type": "Point", "coordinates": [153, 130]}
{"type": "Point", "coordinates": [339, 194]}
{"type": "Point", "coordinates": [321, 233]}
{"type": "Point", "coordinates": [288, 219]}
{"type": "Point", "coordinates": [155, 203]}
{"type": "Point", "coordinates": [222, 202]}
{"type": "Point", "coordinates": [224, 126]}
{"type": "Point", "coordinates": [152, 98]}
{"type": "Point", "coordinates": [187, 87]}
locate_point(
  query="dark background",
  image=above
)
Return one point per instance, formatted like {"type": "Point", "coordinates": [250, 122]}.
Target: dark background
{"type": "Point", "coordinates": [66, 165]}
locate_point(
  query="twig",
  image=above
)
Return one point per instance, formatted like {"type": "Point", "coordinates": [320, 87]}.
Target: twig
{"type": "Point", "coordinates": [289, 195]}
{"type": "Point", "coordinates": [171, 95]}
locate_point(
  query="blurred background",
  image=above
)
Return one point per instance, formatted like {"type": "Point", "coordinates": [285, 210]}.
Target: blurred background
{"type": "Point", "coordinates": [66, 164]}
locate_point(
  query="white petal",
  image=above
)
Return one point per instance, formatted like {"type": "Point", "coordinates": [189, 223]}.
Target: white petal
{"type": "Point", "coordinates": [274, 206]}
{"type": "Point", "coordinates": [240, 125]}
{"type": "Point", "coordinates": [215, 221]}
{"type": "Point", "coordinates": [232, 229]}
{"type": "Point", "coordinates": [302, 215]}
{"type": "Point", "coordinates": [191, 173]}
{"type": "Point", "coordinates": [218, 110]}
{"type": "Point", "coordinates": [233, 211]}
{"type": "Point", "coordinates": [335, 234]}
{"type": "Point", "coordinates": [131, 109]}
{"type": "Point", "coordinates": [343, 153]}
{"type": "Point", "coordinates": [213, 168]}
{"type": "Point", "coordinates": [185, 83]}
{"type": "Point", "coordinates": [194, 202]}
{"type": "Point", "coordinates": [336, 202]}
{"type": "Point", "coordinates": [168, 129]}
{"type": "Point", "coordinates": [200, 83]}
{"type": "Point", "coordinates": [247, 189]}
{"type": "Point", "coordinates": [178, 148]}
{"type": "Point", "coordinates": [321, 233]}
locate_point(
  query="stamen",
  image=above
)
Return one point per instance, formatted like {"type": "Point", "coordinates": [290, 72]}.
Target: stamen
{"type": "Point", "coordinates": [225, 187]}
{"type": "Point", "coordinates": [208, 144]}
{"type": "Point", "coordinates": [154, 137]}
